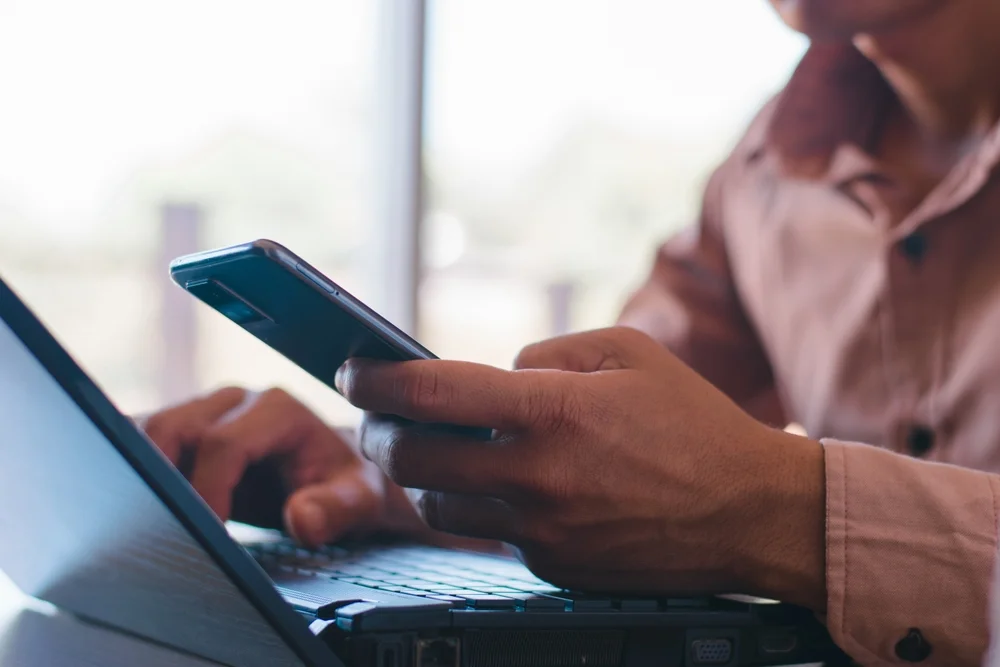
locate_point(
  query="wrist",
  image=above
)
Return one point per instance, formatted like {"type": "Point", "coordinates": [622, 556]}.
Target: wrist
{"type": "Point", "coordinates": [784, 545]}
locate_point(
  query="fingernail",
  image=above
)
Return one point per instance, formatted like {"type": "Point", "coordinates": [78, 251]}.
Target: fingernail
{"type": "Point", "coordinates": [340, 377]}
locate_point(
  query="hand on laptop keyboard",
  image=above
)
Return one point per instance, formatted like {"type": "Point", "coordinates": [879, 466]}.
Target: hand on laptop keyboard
{"type": "Point", "coordinates": [331, 490]}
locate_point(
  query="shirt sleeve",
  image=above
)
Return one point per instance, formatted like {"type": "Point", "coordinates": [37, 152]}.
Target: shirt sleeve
{"type": "Point", "coordinates": [690, 304]}
{"type": "Point", "coordinates": [910, 553]}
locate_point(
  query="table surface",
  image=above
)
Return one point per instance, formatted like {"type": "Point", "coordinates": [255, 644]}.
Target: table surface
{"type": "Point", "coordinates": [33, 633]}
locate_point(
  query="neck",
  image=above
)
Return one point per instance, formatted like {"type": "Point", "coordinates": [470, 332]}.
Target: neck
{"type": "Point", "coordinates": [945, 69]}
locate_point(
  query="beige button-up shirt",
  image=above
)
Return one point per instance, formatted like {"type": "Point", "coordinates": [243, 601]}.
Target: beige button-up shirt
{"type": "Point", "coordinates": [801, 296]}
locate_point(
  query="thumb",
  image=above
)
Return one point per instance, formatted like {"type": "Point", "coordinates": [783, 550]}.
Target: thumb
{"type": "Point", "coordinates": [324, 512]}
{"type": "Point", "coordinates": [601, 350]}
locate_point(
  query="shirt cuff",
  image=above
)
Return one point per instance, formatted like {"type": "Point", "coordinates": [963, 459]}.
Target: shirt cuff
{"type": "Point", "coordinates": [909, 545]}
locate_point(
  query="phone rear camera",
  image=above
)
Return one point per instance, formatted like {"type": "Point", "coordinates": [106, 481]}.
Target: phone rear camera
{"type": "Point", "coordinates": [227, 302]}
{"type": "Point", "coordinates": [240, 313]}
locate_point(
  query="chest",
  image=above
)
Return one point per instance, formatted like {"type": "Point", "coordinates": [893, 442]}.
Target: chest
{"type": "Point", "coordinates": [872, 333]}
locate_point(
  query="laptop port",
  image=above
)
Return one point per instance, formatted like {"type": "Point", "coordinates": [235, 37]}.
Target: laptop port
{"type": "Point", "coordinates": [389, 656]}
{"type": "Point", "coordinates": [711, 651]}
{"type": "Point", "coordinates": [778, 644]}
{"type": "Point", "coordinates": [440, 652]}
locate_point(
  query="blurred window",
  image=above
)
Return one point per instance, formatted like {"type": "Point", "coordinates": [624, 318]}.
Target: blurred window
{"type": "Point", "coordinates": [564, 140]}
{"type": "Point", "coordinates": [132, 132]}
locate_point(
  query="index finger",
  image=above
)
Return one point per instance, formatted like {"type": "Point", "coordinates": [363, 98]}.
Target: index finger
{"type": "Point", "coordinates": [446, 392]}
{"type": "Point", "coordinates": [180, 426]}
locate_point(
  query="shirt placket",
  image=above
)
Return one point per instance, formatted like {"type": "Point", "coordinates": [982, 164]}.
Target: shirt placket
{"type": "Point", "coordinates": [915, 313]}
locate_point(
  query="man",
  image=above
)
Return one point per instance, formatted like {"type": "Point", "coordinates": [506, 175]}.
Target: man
{"type": "Point", "coordinates": [842, 274]}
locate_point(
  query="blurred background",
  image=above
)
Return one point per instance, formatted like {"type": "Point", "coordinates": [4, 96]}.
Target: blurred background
{"type": "Point", "coordinates": [556, 143]}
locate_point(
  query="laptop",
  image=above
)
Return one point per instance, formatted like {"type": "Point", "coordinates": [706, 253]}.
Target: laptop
{"type": "Point", "coordinates": [97, 522]}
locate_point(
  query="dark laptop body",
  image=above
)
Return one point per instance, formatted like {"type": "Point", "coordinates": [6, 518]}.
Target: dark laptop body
{"type": "Point", "coordinates": [97, 522]}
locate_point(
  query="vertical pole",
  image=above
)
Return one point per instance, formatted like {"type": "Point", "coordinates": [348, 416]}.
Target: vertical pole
{"type": "Point", "coordinates": [180, 228]}
{"type": "Point", "coordinates": [395, 271]}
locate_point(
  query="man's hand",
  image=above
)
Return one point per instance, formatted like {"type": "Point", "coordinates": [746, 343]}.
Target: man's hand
{"type": "Point", "coordinates": [612, 467]}
{"type": "Point", "coordinates": [333, 489]}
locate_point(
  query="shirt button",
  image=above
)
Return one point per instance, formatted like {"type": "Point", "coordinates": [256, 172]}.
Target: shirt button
{"type": "Point", "coordinates": [919, 440]}
{"type": "Point", "coordinates": [913, 647]}
{"type": "Point", "coordinates": [914, 246]}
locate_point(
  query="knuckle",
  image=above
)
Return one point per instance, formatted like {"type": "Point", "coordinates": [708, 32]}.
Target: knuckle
{"type": "Point", "coordinates": [430, 508]}
{"type": "Point", "coordinates": [534, 405]}
{"type": "Point", "coordinates": [228, 391]}
{"type": "Point", "coordinates": [395, 459]}
{"type": "Point", "coordinates": [280, 401]}
{"type": "Point", "coordinates": [220, 442]}
{"type": "Point", "coordinates": [365, 432]}
{"type": "Point", "coordinates": [420, 390]}
{"type": "Point", "coordinates": [231, 455]}
{"type": "Point", "coordinates": [527, 357]}
{"type": "Point", "coordinates": [520, 475]}
{"type": "Point", "coordinates": [553, 485]}
{"type": "Point", "coordinates": [229, 465]}
{"type": "Point", "coordinates": [624, 340]}
{"type": "Point", "coordinates": [156, 425]}
{"type": "Point", "coordinates": [276, 397]}
{"type": "Point", "coordinates": [555, 411]}
{"type": "Point", "coordinates": [525, 473]}
{"type": "Point", "coordinates": [358, 494]}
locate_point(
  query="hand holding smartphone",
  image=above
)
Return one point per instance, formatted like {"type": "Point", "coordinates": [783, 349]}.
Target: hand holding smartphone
{"type": "Point", "coordinates": [282, 300]}
{"type": "Point", "coordinates": [296, 310]}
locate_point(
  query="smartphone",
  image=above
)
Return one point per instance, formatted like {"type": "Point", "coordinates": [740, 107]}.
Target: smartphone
{"type": "Point", "coordinates": [289, 305]}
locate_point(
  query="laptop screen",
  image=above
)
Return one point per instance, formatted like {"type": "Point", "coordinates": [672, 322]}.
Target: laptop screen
{"type": "Point", "coordinates": [82, 529]}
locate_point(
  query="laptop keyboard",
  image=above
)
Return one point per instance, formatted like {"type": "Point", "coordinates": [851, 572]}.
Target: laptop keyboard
{"type": "Point", "coordinates": [463, 579]}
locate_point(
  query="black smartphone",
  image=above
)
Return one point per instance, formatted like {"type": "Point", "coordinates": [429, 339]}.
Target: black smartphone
{"type": "Point", "coordinates": [282, 300]}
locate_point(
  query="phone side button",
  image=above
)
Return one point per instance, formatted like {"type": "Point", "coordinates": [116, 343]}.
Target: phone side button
{"type": "Point", "coordinates": [313, 278]}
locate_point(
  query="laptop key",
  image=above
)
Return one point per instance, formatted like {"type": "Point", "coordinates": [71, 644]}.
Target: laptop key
{"type": "Point", "coordinates": [490, 602]}
{"type": "Point", "coordinates": [449, 590]}
{"type": "Point", "coordinates": [583, 603]}
{"type": "Point", "coordinates": [544, 590]}
{"type": "Point", "coordinates": [462, 593]}
{"type": "Point", "coordinates": [398, 589]}
{"type": "Point", "coordinates": [414, 583]}
{"type": "Point", "coordinates": [499, 590]}
{"type": "Point", "coordinates": [540, 602]}
{"type": "Point", "coordinates": [349, 580]}
{"type": "Point", "coordinates": [442, 579]}
{"type": "Point", "coordinates": [353, 570]}
{"type": "Point", "coordinates": [454, 601]}
{"type": "Point", "coordinates": [392, 588]}
{"type": "Point", "coordinates": [635, 605]}
{"type": "Point", "coordinates": [502, 581]}
{"type": "Point", "coordinates": [398, 579]}
{"type": "Point", "coordinates": [688, 602]}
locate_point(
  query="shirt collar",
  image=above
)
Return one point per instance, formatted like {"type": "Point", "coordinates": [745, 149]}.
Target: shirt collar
{"type": "Point", "coordinates": [827, 119]}
{"type": "Point", "coordinates": [826, 123]}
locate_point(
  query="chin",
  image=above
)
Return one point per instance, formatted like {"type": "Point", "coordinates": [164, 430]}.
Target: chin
{"type": "Point", "coordinates": [844, 19]}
